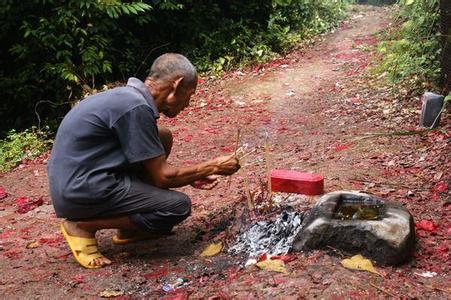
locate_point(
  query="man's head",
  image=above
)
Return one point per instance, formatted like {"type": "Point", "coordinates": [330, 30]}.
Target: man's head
{"type": "Point", "coordinates": [172, 81]}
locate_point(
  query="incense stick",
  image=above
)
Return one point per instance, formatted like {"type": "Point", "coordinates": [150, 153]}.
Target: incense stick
{"type": "Point", "coordinates": [237, 142]}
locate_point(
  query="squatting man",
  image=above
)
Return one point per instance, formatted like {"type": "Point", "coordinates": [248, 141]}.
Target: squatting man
{"type": "Point", "coordinates": [109, 168]}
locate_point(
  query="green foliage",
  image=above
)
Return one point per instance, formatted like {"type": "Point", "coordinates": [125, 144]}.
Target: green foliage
{"type": "Point", "coordinates": [255, 33]}
{"type": "Point", "coordinates": [18, 146]}
{"type": "Point", "coordinates": [412, 52]}
{"type": "Point", "coordinates": [55, 50]}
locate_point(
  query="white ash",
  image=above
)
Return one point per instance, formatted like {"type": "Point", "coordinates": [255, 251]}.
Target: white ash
{"type": "Point", "coordinates": [270, 237]}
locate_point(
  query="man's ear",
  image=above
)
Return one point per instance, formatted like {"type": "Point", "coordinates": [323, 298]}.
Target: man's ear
{"type": "Point", "coordinates": [176, 83]}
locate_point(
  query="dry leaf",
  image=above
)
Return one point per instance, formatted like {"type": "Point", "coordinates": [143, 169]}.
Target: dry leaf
{"type": "Point", "coordinates": [212, 250]}
{"type": "Point", "coordinates": [111, 293]}
{"type": "Point", "coordinates": [438, 175]}
{"type": "Point", "coordinates": [275, 265]}
{"type": "Point", "coordinates": [358, 262]}
{"type": "Point", "coordinates": [32, 245]}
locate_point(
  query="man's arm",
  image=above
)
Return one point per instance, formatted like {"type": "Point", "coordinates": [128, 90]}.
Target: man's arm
{"type": "Point", "coordinates": [163, 175]}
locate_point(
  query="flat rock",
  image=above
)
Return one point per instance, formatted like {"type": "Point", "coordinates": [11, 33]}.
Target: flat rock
{"type": "Point", "coordinates": [388, 240]}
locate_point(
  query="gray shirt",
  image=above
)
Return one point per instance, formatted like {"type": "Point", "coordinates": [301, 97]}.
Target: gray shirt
{"type": "Point", "coordinates": [95, 142]}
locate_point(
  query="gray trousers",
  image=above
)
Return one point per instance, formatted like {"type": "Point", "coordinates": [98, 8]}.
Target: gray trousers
{"type": "Point", "coordinates": [150, 208]}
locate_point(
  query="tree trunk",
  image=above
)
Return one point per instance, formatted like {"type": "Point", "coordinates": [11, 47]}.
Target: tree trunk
{"type": "Point", "coordinates": [445, 30]}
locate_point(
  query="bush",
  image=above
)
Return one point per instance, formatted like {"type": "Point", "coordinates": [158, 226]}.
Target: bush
{"type": "Point", "coordinates": [19, 146]}
{"type": "Point", "coordinates": [411, 54]}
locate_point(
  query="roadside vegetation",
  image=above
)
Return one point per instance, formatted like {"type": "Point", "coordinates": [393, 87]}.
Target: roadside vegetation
{"type": "Point", "coordinates": [21, 146]}
{"type": "Point", "coordinates": [411, 51]}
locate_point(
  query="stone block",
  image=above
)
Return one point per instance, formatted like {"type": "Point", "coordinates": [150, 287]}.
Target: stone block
{"type": "Point", "coordinates": [431, 109]}
{"type": "Point", "coordinates": [388, 237]}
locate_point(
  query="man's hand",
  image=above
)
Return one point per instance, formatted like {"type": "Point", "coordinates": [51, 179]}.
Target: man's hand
{"type": "Point", "coordinates": [161, 174]}
{"type": "Point", "coordinates": [208, 183]}
{"type": "Point", "coordinates": [226, 165]}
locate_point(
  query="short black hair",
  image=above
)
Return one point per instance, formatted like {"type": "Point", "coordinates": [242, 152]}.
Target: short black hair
{"type": "Point", "coordinates": [170, 66]}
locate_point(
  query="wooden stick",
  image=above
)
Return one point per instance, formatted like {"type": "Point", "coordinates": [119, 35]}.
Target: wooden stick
{"type": "Point", "coordinates": [438, 289]}
{"type": "Point", "coordinates": [383, 290]}
{"type": "Point", "coordinates": [268, 170]}
{"type": "Point", "coordinates": [238, 134]}
{"type": "Point", "coordinates": [237, 142]}
{"type": "Point", "coordinates": [390, 134]}
{"type": "Point", "coordinates": [246, 154]}
{"type": "Point", "coordinates": [250, 201]}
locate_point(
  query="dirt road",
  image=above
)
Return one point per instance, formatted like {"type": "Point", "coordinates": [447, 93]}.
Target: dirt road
{"type": "Point", "coordinates": [309, 106]}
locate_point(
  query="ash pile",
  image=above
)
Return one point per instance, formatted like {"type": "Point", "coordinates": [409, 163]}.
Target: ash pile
{"type": "Point", "coordinates": [270, 237]}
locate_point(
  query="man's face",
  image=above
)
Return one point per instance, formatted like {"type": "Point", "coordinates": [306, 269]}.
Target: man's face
{"type": "Point", "coordinates": [178, 101]}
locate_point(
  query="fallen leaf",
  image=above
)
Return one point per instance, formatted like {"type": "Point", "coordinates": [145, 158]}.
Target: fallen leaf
{"type": "Point", "coordinates": [426, 225]}
{"type": "Point", "coordinates": [111, 293]}
{"type": "Point", "coordinates": [25, 204]}
{"type": "Point", "coordinates": [275, 265]}
{"type": "Point", "coordinates": [438, 175]}
{"type": "Point", "coordinates": [33, 245]}
{"type": "Point", "coordinates": [358, 262]}
{"type": "Point", "coordinates": [212, 250]}
{"type": "Point", "coordinates": [3, 193]}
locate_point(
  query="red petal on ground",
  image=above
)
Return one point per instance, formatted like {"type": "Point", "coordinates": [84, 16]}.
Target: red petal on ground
{"type": "Point", "coordinates": [6, 234]}
{"type": "Point", "coordinates": [227, 149]}
{"type": "Point", "coordinates": [337, 147]}
{"type": "Point", "coordinates": [25, 204]}
{"type": "Point", "coordinates": [442, 249]}
{"type": "Point", "coordinates": [78, 278]}
{"type": "Point", "coordinates": [163, 271]}
{"type": "Point", "coordinates": [286, 258]}
{"type": "Point", "coordinates": [440, 187]}
{"type": "Point", "coordinates": [426, 225]}
{"type": "Point", "coordinates": [52, 241]}
{"type": "Point", "coordinates": [263, 257]}
{"type": "Point", "coordinates": [188, 138]}
{"type": "Point", "coordinates": [22, 200]}
{"type": "Point", "coordinates": [212, 130]}
{"type": "Point", "coordinates": [3, 193]}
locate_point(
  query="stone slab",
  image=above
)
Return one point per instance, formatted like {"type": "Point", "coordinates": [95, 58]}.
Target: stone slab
{"type": "Point", "coordinates": [389, 240]}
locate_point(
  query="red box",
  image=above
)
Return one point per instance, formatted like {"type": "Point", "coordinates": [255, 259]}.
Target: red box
{"type": "Point", "coordinates": [290, 181]}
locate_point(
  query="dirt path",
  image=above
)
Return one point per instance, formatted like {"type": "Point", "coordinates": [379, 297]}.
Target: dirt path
{"type": "Point", "coordinates": [310, 106]}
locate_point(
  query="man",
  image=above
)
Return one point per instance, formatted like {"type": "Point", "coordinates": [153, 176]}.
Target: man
{"type": "Point", "coordinates": [108, 166]}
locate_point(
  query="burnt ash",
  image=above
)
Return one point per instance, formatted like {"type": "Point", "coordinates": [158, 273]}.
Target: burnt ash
{"type": "Point", "coordinates": [270, 237]}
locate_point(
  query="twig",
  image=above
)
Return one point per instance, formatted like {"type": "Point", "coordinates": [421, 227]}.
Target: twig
{"type": "Point", "coordinates": [148, 54]}
{"type": "Point", "coordinates": [438, 289]}
{"type": "Point", "coordinates": [382, 290]}
{"type": "Point", "coordinates": [268, 170]}
{"type": "Point", "coordinates": [396, 133]}
{"type": "Point", "coordinates": [238, 135]}
{"type": "Point", "coordinates": [250, 201]}
{"type": "Point", "coordinates": [237, 142]}
{"type": "Point", "coordinates": [246, 154]}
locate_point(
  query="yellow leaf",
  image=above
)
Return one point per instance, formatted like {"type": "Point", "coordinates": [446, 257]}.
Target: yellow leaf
{"type": "Point", "coordinates": [111, 293]}
{"type": "Point", "coordinates": [212, 249]}
{"type": "Point", "coordinates": [33, 245]}
{"type": "Point", "coordinates": [358, 262]}
{"type": "Point", "coordinates": [275, 265]}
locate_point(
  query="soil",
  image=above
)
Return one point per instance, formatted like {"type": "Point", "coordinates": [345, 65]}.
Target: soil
{"type": "Point", "coordinates": [312, 109]}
